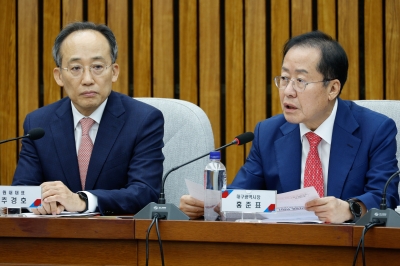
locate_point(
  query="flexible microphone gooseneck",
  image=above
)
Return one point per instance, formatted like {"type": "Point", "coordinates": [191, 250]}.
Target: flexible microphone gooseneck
{"type": "Point", "coordinates": [33, 134]}
{"type": "Point", "coordinates": [170, 211]}
{"type": "Point", "coordinates": [383, 200]}
{"type": "Point", "coordinates": [239, 140]}
{"type": "Point", "coordinates": [374, 217]}
{"type": "Point", "coordinates": [383, 216]}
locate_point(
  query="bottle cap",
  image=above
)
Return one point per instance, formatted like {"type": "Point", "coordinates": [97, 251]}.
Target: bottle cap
{"type": "Point", "coordinates": [215, 155]}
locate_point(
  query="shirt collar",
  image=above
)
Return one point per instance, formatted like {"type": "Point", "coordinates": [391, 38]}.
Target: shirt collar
{"type": "Point", "coordinates": [325, 129]}
{"type": "Point", "coordinates": [96, 115]}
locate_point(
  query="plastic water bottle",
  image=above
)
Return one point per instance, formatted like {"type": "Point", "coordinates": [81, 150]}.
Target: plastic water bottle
{"type": "Point", "coordinates": [214, 183]}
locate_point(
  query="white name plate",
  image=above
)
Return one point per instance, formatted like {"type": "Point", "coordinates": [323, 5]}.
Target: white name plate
{"type": "Point", "coordinates": [20, 196]}
{"type": "Point", "coordinates": [238, 200]}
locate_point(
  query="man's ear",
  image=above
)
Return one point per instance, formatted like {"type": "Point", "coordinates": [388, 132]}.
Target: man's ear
{"type": "Point", "coordinates": [115, 72]}
{"type": "Point", "coordinates": [334, 89]}
{"type": "Point", "coordinates": [57, 76]}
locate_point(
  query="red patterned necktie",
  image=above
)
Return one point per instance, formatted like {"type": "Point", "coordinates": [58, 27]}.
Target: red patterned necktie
{"type": "Point", "coordinates": [85, 149]}
{"type": "Point", "coordinates": [313, 176]}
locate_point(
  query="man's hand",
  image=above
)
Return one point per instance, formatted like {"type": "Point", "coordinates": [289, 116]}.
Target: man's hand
{"type": "Point", "coordinates": [56, 194]}
{"type": "Point", "coordinates": [192, 207]}
{"type": "Point", "coordinates": [330, 209]}
{"type": "Point", "coordinates": [47, 208]}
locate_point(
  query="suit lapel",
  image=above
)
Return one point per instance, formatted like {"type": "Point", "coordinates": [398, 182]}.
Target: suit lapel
{"type": "Point", "coordinates": [289, 158]}
{"type": "Point", "coordinates": [110, 126]}
{"type": "Point", "coordinates": [344, 148]}
{"type": "Point", "coordinates": [62, 129]}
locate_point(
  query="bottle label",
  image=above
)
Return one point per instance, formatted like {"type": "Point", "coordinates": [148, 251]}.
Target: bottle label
{"type": "Point", "coordinates": [213, 184]}
{"type": "Point", "coordinates": [214, 179]}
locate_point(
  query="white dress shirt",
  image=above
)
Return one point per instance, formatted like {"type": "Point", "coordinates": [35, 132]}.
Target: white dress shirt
{"type": "Point", "coordinates": [96, 116]}
{"type": "Point", "coordinates": [324, 147]}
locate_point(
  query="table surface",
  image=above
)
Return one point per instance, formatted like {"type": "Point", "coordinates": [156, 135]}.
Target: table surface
{"type": "Point", "coordinates": [111, 240]}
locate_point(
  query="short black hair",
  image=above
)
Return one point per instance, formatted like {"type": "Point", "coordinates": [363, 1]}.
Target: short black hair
{"type": "Point", "coordinates": [84, 25]}
{"type": "Point", "coordinates": [333, 63]}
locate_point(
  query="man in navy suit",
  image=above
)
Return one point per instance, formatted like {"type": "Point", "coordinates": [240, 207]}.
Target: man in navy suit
{"type": "Point", "coordinates": [126, 163]}
{"type": "Point", "coordinates": [358, 147]}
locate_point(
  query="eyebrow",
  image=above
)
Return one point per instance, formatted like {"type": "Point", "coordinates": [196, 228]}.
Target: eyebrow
{"type": "Point", "coordinates": [297, 70]}
{"type": "Point", "coordinates": [73, 59]}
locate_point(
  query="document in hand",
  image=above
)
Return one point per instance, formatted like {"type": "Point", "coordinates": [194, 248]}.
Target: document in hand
{"type": "Point", "coordinates": [62, 214]}
{"type": "Point", "coordinates": [291, 207]}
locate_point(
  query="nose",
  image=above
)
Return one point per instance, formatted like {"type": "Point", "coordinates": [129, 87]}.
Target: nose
{"type": "Point", "coordinates": [291, 81]}
{"type": "Point", "coordinates": [289, 90]}
{"type": "Point", "coordinates": [87, 77]}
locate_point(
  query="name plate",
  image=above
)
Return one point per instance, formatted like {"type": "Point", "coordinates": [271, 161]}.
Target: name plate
{"type": "Point", "coordinates": [238, 200]}
{"type": "Point", "coordinates": [20, 196]}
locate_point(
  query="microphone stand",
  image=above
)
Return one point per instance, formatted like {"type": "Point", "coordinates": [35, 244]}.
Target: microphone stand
{"type": "Point", "coordinates": [161, 200]}
{"type": "Point", "coordinates": [7, 140]}
{"type": "Point", "coordinates": [33, 134]}
{"type": "Point", "coordinates": [170, 211]}
{"type": "Point", "coordinates": [385, 216]}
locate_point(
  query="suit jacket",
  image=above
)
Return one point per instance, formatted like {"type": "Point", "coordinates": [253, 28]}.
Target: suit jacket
{"type": "Point", "coordinates": [125, 169]}
{"type": "Point", "coordinates": [362, 156]}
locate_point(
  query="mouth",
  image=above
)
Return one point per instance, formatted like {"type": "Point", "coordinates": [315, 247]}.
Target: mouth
{"type": "Point", "coordinates": [289, 106]}
{"type": "Point", "coordinates": [88, 93]}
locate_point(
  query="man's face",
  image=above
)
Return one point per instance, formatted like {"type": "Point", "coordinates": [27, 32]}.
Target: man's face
{"type": "Point", "coordinates": [313, 105]}
{"type": "Point", "coordinates": [87, 90]}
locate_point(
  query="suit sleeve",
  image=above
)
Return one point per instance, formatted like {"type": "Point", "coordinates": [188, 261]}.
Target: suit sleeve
{"type": "Point", "coordinates": [144, 173]}
{"type": "Point", "coordinates": [381, 165]}
{"type": "Point", "coordinates": [28, 171]}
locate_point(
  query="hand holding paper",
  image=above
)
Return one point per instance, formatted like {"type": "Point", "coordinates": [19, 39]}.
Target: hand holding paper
{"type": "Point", "coordinates": [290, 206]}
{"type": "Point", "coordinates": [330, 209]}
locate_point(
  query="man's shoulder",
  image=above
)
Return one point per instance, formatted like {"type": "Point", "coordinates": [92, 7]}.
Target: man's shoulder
{"type": "Point", "coordinates": [362, 113]}
{"type": "Point", "coordinates": [355, 119]}
{"type": "Point", "coordinates": [50, 108]}
{"type": "Point", "coordinates": [131, 103]}
{"type": "Point", "coordinates": [275, 127]}
{"type": "Point", "coordinates": [273, 122]}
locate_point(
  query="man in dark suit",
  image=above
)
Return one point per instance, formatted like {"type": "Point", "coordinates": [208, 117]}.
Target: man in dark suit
{"type": "Point", "coordinates": [113, 166]}
{"type": "Point", "coordinates": [356, 146]}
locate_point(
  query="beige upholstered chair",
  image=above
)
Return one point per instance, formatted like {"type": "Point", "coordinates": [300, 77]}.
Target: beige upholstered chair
{"type": "Point", "coordinates": [390, 108]}
{"type": "Point", "coordinates": [187, 135]}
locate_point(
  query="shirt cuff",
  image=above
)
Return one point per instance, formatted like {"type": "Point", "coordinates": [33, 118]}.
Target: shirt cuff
{"type": "Point", "coordinates": [92, 202]}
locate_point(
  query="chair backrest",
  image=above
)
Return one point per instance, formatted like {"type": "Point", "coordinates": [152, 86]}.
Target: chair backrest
{"type": "Point", "coordinates": [187, 135]}
{"type": "Point", "coordinates": [390, 108]}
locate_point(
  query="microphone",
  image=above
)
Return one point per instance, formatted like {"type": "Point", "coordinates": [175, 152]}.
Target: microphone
{"type": "Point", "coordinates": [239, 140]}
{"type": "Point", "coordinates": [33, 134]}
{"type": "Point", "coordinates": [169, 211]}
{"type": "Point", "coordinates": [384, 216]}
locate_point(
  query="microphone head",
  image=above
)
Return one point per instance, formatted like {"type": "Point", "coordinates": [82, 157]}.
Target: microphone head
{"type": "Point", "coordinates": [244, 138]}
{"type": "Point", "coordinates": [35, 133]}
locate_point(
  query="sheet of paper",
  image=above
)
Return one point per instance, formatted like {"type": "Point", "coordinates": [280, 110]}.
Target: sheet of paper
{"type": "Point", "coordinates": [297, 197]}
{"type": "Point", "coordinates": [62, 214]}
{"type": "Point", "coordinates": [195, 190]}
{"type": "Point", "coordinates": [291, 206]}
